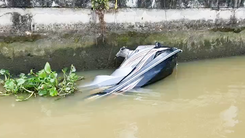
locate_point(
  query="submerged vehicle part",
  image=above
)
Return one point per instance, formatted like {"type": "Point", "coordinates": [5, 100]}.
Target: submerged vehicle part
{"type": "Point", "coordinates": [142, 66]}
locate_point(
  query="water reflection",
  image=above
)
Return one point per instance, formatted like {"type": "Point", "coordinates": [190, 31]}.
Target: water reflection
{"type": "Point", "coordinates": [130, 130]}
{"type": "Point", "coordinates": [229, 117]}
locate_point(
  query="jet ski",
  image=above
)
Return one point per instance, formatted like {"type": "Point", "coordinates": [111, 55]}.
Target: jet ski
{"type": "Point", "coordinates": [143, 66]}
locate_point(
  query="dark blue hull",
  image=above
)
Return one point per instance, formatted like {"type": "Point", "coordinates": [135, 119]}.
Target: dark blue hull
{"type": "Point", "coordinates": [158, 72]}
{"type": "Point", "coordinates": [155, 67]}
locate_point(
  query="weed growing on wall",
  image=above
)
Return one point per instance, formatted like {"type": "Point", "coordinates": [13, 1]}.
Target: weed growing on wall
{"type": "Point", "coordinates": [100, 4]}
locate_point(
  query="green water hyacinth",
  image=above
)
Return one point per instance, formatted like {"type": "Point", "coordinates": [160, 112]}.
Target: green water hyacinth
{"type": "Point", "coordinates": [43, 83]}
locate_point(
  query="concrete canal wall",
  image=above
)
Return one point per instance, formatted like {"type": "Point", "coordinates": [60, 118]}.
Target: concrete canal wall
{"type": "Point", "coordinates": [31, 37]}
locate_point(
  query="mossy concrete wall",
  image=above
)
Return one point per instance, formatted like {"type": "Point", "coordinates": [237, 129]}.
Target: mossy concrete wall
{"type": "Point", "coordinates": [64, 37]}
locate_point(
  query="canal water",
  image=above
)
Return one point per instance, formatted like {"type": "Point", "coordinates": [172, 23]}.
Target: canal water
{"type": "Point", "coordinates": [201, 99]}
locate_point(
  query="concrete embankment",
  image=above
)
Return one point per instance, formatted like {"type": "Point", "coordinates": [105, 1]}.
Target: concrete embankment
{"type": "Point", "coordinates": [31, 37]}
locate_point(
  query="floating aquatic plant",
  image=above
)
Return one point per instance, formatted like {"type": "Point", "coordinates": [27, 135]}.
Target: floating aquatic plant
{"type": "Point", "coordinates": [43, 83]}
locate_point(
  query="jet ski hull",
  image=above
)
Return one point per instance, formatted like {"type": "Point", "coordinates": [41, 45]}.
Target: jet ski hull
{"type": "Point", "coordinates": [150, 73]}
{"type": "Point", "coordinates": [157, 63]}
{"type": "Point", "coordinates": [163, 70]}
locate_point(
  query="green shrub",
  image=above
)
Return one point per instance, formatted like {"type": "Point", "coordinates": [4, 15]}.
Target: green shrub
{"type": "Point", "coordinates": [100, 4]}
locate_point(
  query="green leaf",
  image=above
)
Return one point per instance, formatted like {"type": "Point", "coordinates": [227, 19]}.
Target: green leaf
{"type": "Point", "coordinates": [53, 74]}
{"type": "Point", "coordinates": [47, 68]}
{"type": "Point", "coordinates": [22, 75]}
{"type": "Point", "coordinates": [67, 89]}
{"type": "Point", "coordinates": [53, 81]}
{"type": "Point", "coordinates": [5, 73]}
{"type": "Point", "coordinates": [20, 81]}
{"type": "Point", "coordinates": [31, 83]}
{"type": "Point", "coordinates": [42, 92]}
{"type": "Point", "coordinates": [42, 74]}
{"type": "Point", "coordinates": [31, 72]}
{"type": "Point", "coordinates": [73, 77]}
{"type": "Point", "coordinates": [73, 69]}
{"type": "Point", "coordinates": [2, 72]}
{"type": "Point", "coordinates": [10, 86]}
{"type": "Point", "coordinates": [53, 92]}
{"type": "Point", "coordinates": [53, 78]}
{"type": "Point", "coordinates": [64, 70]}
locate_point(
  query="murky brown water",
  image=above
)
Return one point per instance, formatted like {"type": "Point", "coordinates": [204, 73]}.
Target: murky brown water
{"type": "Point", "coordinates": [202, 99]}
